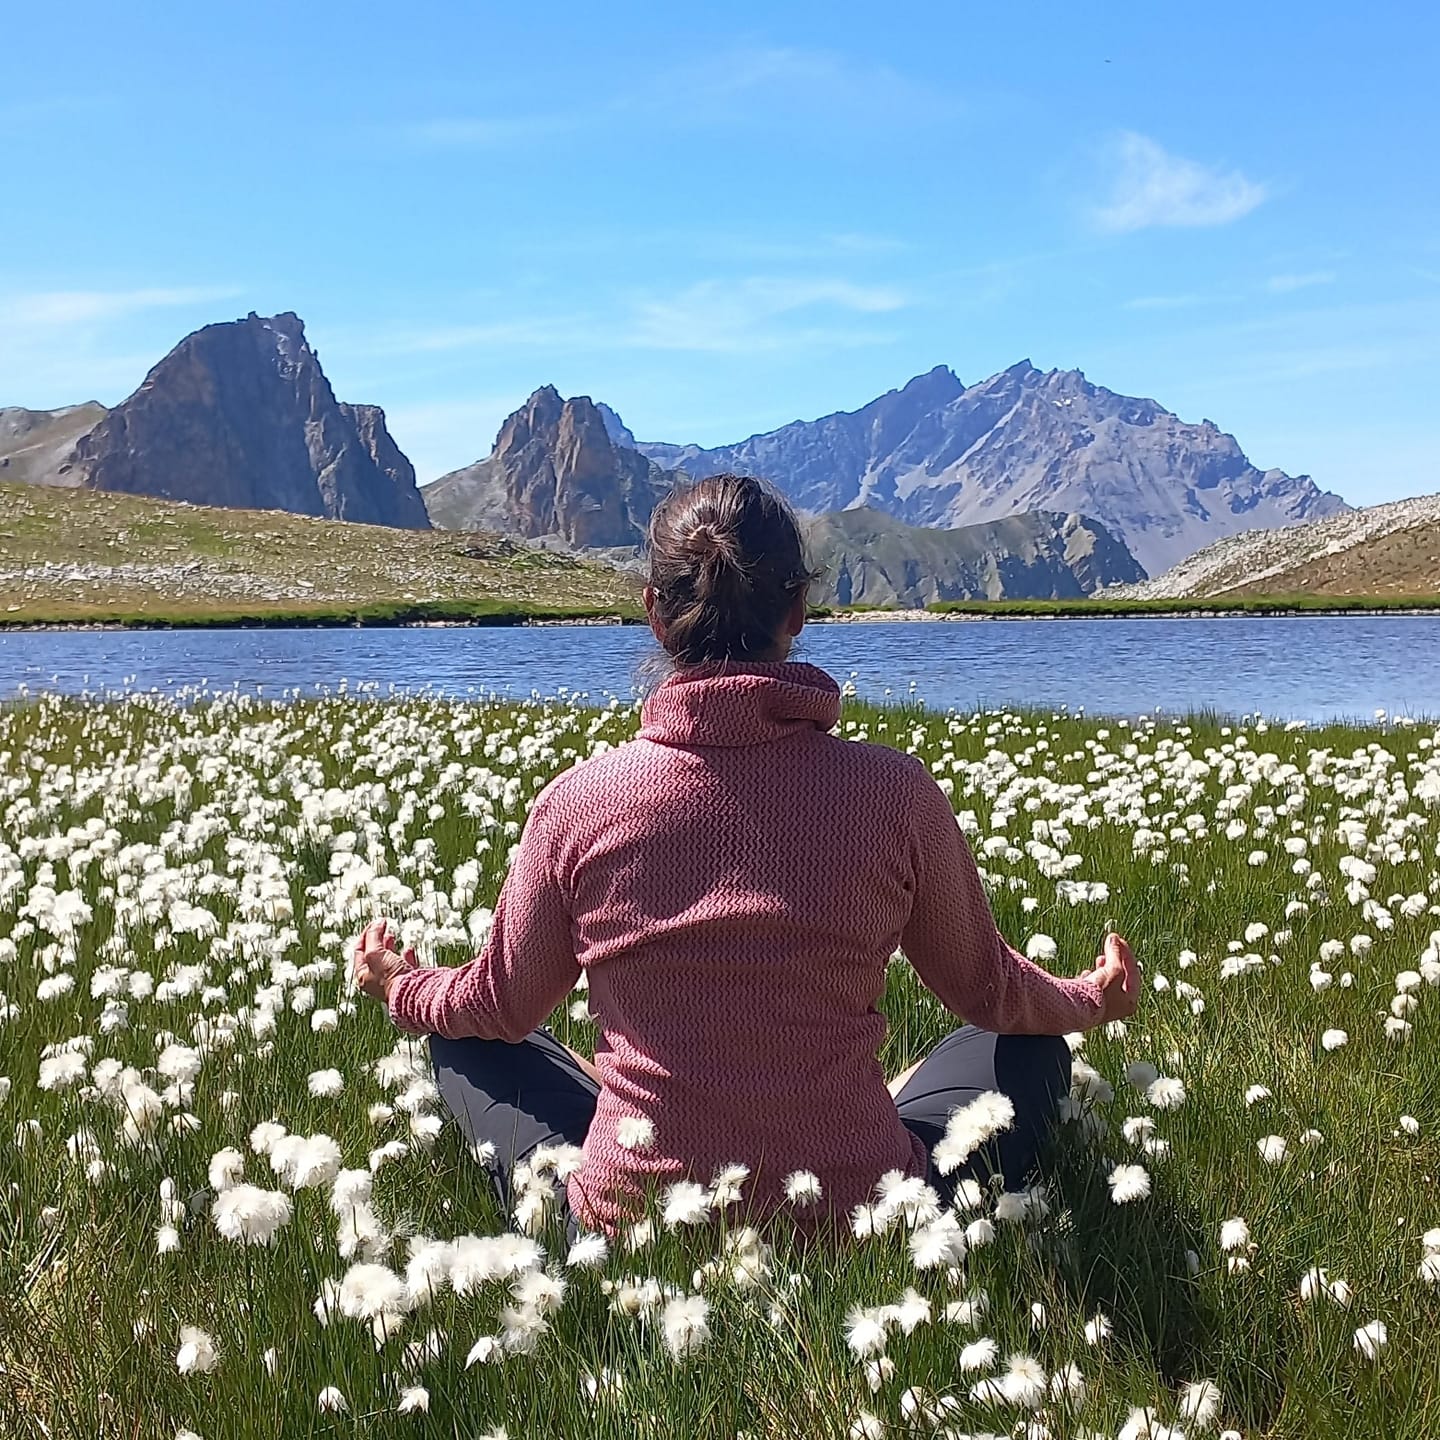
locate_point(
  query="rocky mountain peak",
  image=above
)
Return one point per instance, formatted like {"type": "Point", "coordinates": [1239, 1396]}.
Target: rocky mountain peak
{"type": "Point", "coordinates": [554, 471]}
{"type": "Point", "coordinates": [240, 414]}
{"type": "Point", "coordinates": [618, 431]}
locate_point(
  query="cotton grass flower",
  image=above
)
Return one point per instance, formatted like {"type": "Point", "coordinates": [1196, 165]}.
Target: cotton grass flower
{"type": "Point", "coordinates": [686, 1203]}
{"type": "Point", "coordinates": [1371, 1339]}
{"type": "Point", "coordinates": [1129, 1183]}
{"type": "Point", "coordinates": [197, 1354]}
{"type": "Point", "coordinates": [635, 1132]}
{"type": "Point", "coordinates": [1165, 1093]}
{"type": "Point", "coordinates": [685, 1325]}
{"type": "Point", "coordinates": [414, 1400]}
{"type": "Point", "coordinates": [802, 1188]}
{"type": "Point", "coordinates": [331, 1401]}
{"type": "Point", "coordinates": [969, 1127]}
{"type": "Point", "coordinates": [589, 1252]}
{"type": "Point", "coordinates": [1333, 1040]}
{"type": "Point", "coordinates": [1273, 1149]}
{"type": "Point", "coordinates": [325, 1084]}
{"type": "Point", "coordinates": [1200, 1402]}
{"type": "Point", "coordinates": [1234, 1235]}
{"type": "Point", "coordinates": [978, 1355]}
{"type": "Point", "coordinates": [249, 1215]}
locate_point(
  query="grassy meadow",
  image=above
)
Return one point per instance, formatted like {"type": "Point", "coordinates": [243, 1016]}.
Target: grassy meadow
{"type": "Point", "coordinates": [230, 1206]}
{"type": "Point", "coordinates": [91, 557]}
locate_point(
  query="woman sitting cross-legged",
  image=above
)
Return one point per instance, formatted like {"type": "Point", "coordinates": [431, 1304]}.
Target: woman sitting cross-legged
{"type": "Point", "coordinates": [733, 883]}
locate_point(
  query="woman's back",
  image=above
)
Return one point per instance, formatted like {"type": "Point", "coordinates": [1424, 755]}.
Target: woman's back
{"type": "Point", "coordinates": [733, 883]}
{"type": "Point", "coordinates": [739, 879]}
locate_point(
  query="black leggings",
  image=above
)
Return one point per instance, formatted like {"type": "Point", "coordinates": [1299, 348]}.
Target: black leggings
{"type": "Point", "coordinates": [519, 1097]}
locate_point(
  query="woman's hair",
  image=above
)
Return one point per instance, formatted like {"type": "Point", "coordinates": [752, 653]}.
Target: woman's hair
{"type": "Point", "coordinates": [726, 563]}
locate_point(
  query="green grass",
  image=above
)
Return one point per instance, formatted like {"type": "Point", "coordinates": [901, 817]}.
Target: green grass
{"type": "Point", "coordinates": [381, 613]}
{"type": "Point", "coordinates": [238, 806]}
{"type": "Point", "coordinates": [1222, 605]}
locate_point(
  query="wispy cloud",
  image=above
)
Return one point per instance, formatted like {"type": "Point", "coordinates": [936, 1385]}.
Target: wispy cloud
{"type": "Point", "coordinates": [1153, 187]}
{"type": "Point", "coordinates": [1165, 302]}
{"type": "Point", "coordinates": [61, 308]}
{"type": "Point", "coordinates": [757, 312]}
{"type": "Point", "coordinates": [717, 315]}
{"type": "Point", "coordinates": [492, 132]}
{"type": "Point", "coordinates": [746, 85]}
{"type": "Point", "coordinates": [1285, 284]}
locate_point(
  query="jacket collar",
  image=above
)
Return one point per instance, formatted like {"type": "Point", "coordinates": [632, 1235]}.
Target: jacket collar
{"type": "Point", "coordinates": [735, 703]}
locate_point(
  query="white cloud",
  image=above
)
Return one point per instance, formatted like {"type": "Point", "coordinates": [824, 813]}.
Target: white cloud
{"type": "Point", "coordinates": [756, 85]}
{"type": "Point", "coordinates": [60, 308]}
{"type": "Point", "coordinates": [1285, 284]}
{"type": "Point", "coordinates": [757, 312]}
{"type": "Point", "coordinates": [717, 315]}
{"type": "Point", "coordinates": [1153, 187]}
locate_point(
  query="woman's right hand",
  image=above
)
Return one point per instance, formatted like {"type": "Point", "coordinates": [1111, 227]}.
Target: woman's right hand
{"type": "Point", "coordinates": [1117, 977]}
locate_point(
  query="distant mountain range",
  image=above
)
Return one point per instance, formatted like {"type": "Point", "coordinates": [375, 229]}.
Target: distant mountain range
{"type": "Point", "coordinates": [939, 453]}
{"type": "Point", "coordinates": [238, 415]}
{"type": "Point", "coordinates": [1027, 483]}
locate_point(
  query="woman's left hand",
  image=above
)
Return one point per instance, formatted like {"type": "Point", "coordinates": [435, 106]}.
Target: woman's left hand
{"type": "Point", "coordinates": [379, 961]}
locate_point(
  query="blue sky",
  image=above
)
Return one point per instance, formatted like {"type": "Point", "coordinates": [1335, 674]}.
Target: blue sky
{"type": "Point", "coordinates": [719, 219]}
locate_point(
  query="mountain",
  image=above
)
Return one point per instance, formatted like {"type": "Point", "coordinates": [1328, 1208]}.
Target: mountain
{"type": "Point", "coordinates": [35, 443]}
{"type": "Point", "coordinates": [554, 472]}
{"type": "Point", "coordinates": [1389, 549]}
{"type": "Point", "coordinates": [240, 415]}
{"type": "Point", "coordinates": [940, 453]}
{"type": "Point", "coordinates": [873, 559]}
{"type": "Point", "coordinates": [615, 427]}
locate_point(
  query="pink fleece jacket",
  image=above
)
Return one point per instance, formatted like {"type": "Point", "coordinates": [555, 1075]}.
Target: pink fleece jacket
{"type": "Point", "coordinates": [734, 882]}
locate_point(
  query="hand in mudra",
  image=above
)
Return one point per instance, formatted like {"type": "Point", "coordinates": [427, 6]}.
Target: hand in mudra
{"type": "Point", "coordinates": [379, 960]}
{"type": "Point", "coordinates": [1117, 977]}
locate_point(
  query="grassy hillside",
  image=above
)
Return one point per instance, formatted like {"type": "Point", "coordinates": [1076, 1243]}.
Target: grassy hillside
{"type": "Point", "coordinates": [1404, 562]}
{"type": "Point", "coordinates": [75, 556]}
{"type": "Point", "coordinates": [873, 559]}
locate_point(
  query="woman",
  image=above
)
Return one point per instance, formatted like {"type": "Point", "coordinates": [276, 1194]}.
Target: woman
{"type": "Point", "coordinates": [733, 883]}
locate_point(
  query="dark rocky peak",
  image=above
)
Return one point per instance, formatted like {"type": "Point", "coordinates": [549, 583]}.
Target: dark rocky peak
{"type": "Point", "coordinates": [240, 414]}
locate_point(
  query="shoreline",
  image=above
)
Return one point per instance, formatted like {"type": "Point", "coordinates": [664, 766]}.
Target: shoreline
{"type": "Point", "coordinates": [515, 620]}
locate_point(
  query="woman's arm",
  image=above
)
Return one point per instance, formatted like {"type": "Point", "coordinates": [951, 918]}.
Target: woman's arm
{"type": "Point", "coordinates": [952, 942]}
{"type": "Point", "coordinates": [527, 966]}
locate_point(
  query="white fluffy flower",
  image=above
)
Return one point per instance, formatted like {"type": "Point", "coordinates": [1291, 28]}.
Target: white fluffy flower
{"type": "Point", "coordinates": [331, 1401]}
{"type": "Point", "coordinates": [1129, 1182]}
{"type": "Point", "coordinates": [686, 1203]}
{"type": "Point", "coordinates": [1371, 1339]}
{"type": "Point", "coordinates": [325, 1083]}
{"type": "Point", "coordinates": [802, 1188]}
{"type": "Point", "coordinates": [249, 1215]}
{"type": "Point", "coordinates": [589, 1252]}
{"type": "Point", "coordinates": [685, 1323]}
{"type": "Point", "coordinates": [1234, 1235]}
{"type": "Point", "coordinates": [969, 1127]}
{"type": "Point", "coordinates": [197, 1354]}
{"type": "Point", "coordinates": [635, 1132]}
{"type": "Point", "coordinates": [1273, 1149]}
{"type": "Point", "coordinates": [1333, 1039]}
{"type": "Point", "coordinates": [1200, 1402]}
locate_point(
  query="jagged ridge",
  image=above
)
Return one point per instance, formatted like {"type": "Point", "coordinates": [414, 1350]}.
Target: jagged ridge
{"type": "Point", "coordinates": [939, 453]}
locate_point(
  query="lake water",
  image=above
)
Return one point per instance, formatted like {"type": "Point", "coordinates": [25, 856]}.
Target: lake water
{"type": "Point", "coordinates": [1307, 668]}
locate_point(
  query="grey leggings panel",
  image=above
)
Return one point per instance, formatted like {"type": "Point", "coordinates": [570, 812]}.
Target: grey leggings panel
{"type": "Point", "coordinates": [518, 1097]}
